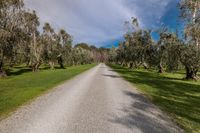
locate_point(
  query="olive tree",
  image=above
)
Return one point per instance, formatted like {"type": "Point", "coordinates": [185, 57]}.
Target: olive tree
{"type": "Point", "coordinates": [190, 52]}
{"type": "Point", "coordinates": [10, 30]}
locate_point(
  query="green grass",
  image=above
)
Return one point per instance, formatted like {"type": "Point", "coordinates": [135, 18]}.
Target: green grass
{"type": "Point", "coordinates": [23, 85]}
{"type": "Point", "coordinates": [179, 98]}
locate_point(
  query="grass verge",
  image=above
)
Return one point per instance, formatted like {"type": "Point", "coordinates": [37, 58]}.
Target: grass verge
{"type": "Point", "coordinates": [179, 98]}
{"type": "Point", "coordinates": [23, 85]}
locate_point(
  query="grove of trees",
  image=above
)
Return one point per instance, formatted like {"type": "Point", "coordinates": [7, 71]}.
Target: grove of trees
{"type": "Point", "coordinates": [173, 51]}
{"type": "Point", "coordinates": [21, 42]}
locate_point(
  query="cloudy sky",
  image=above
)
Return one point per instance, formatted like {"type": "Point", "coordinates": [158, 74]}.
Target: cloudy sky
{"type": "Point", "coordinates": [101, 22]}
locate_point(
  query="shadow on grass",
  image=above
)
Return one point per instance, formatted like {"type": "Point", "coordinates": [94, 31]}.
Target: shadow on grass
{"type": "Point", "coordinates": [21, 70]}
{"type": "Point", "coordinates": [173, 95]}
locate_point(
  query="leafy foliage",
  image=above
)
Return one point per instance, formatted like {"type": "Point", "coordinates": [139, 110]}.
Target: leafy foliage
{"type": "Point", "coordinates": [170, 52]}
{"type": "Point", "coordinates": [22, 43]}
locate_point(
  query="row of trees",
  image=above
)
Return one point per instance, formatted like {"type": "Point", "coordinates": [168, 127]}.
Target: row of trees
{"type": "Point", "coordinates": [21, 41]}
{"type": "Point", "coordinates": [171, 52]}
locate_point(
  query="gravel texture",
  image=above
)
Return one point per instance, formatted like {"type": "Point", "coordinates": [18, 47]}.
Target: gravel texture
{"type": "Point", "coordinates": [96, 101]}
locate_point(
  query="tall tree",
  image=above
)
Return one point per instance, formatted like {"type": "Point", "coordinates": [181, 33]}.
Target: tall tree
{"type": "Point", "coordinates": [65, 48]}
{"type": "Point", "coordinates": [10, 28]}
{"type": "Point", "coordinates": [35, 45]}
{"type": "Point", "coordinates": [190, 13]}
{"type": "Point", "coordinates": [136, 43]}
{"type": "Point", "coordinates": [50, 45]}
{"type": "Point", "coordinates": [112, 54]}
{"type": "Point", "coordinates": [168, 52]}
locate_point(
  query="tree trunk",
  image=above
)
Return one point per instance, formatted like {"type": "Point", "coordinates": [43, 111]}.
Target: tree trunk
{"type": "Point", "coordinates": [35, 67]}
{"type": "Point", "coordinates": [124, 64]}
{"type": "Point", "coordinates": [60, 62]}
{"type": "Point", "coordinates": [131, 65]}
{"type": "Point", "coordinates": [145, 65]}
{"type": "Point", "coordinates": [191, 74]}
{"type": "Point", "coordinates": [28, 63]}
{"type": "Point", "coordinates": [2, 72]}
{"type": "Point", "coordinates": [51, 64]}
{"type": "Point", "coordinates": [161, 69]}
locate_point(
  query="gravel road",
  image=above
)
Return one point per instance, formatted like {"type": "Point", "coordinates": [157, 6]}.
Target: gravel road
{"type": "Point", "coordinates": [96, 101]}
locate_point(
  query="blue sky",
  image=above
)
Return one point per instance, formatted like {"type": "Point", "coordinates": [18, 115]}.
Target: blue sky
{"type": "Point", "coordinates": [170, 19]}
{"type": "Point", "coordinates": [101, 22]}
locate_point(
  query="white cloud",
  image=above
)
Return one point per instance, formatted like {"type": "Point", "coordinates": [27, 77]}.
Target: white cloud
{"type": "Point", "coordinates": [97, 21]}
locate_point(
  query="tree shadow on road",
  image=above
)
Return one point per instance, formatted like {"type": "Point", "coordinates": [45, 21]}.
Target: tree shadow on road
{"type": "Point", "coordinates": [111, 75]}
{"type": "Point", "coordinates": [143, 116]}
{"type": "Point", "coordinates": [178, 97]}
